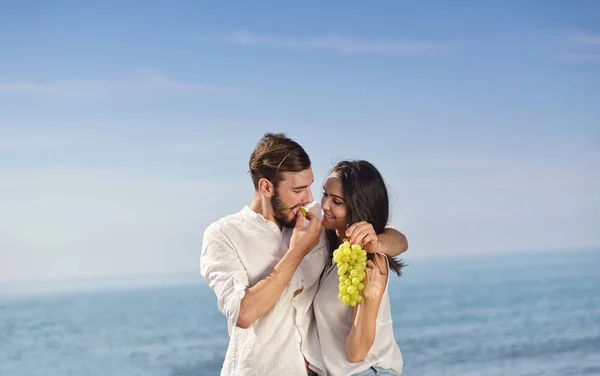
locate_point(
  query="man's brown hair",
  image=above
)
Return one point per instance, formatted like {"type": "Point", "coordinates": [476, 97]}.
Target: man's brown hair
{"type": "Point", "coordinates": [274, 154]}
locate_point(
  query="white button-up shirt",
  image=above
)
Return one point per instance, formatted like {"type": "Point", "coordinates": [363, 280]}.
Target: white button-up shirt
{"type": "Point", "coordinates": [237, 252]}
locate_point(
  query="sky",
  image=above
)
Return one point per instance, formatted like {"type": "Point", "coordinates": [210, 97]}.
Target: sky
{"type": "Point", "coordinates": [126, 127]}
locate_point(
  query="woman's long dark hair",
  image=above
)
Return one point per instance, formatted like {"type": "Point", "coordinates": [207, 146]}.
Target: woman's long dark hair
{"type": "Point", "coordinates": [366, 198]}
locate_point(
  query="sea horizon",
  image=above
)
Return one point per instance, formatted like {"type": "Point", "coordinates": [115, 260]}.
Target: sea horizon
{"type": "Point", "coordinates": [102, 282]}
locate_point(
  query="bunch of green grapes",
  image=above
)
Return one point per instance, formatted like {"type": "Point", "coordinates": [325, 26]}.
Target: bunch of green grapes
{"type": "Point", "coordinates": [351, 262]}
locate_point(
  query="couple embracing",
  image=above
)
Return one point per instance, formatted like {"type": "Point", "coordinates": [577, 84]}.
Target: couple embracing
{"type": "Point", "coordinates": [272, 271]}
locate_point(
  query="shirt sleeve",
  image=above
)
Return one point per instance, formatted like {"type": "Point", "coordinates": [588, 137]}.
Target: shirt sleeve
{"type": "Point", "coordinates": [223, 271]}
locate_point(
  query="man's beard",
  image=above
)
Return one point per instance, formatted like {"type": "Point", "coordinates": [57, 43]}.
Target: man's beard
{"type": "Point", "coordinates": [280, 211]}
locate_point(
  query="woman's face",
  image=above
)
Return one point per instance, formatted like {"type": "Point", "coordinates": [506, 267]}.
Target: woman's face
{"type": "Point", "coordinates": [335, 212]}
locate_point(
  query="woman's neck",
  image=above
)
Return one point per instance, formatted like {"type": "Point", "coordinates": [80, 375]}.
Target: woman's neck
{"type": "Point", "coordinates": [341, 235]}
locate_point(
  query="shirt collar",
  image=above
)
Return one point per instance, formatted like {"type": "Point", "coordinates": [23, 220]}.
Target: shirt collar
{"type": "Point", "coordinates": [253, 216]}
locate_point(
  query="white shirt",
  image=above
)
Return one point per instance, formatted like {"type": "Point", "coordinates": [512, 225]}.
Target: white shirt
{"type": "Point", "coordinates": [334, 321]}
{"type": "Point", "coordinates": [238, 251]}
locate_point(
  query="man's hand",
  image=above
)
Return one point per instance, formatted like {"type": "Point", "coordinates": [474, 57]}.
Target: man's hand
{"type": "Point", "coordinates": [304, 240]}
{"type": "Point", "coordinates": [364, 234]}
{"type": "Point", "coordinates": [261, 297]}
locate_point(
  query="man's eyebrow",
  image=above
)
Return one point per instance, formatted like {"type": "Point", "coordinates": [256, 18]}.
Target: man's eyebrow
{"type": "Point", "coordinates": [303, 186]}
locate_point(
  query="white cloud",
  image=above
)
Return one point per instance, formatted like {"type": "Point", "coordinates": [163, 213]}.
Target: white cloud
{"type": "Point", "coordinates": [39, 140]}
{"type": "Point", "coordinates": [582, 47]}
{"type": "Point", "coordinates": [455, 162]}
{"type": "Point", "coordinates": [34, 141]}
{"type": "Point", "coordinates": [141, 84]}
{"type": "Point", "coordinates": [585, 38]}
{"type": "Point", "coordinates": [337, 44]}
{"type": "Point", "coordinates": [200, 146]}
{"type": "Point", "coordinates": [578, 57]}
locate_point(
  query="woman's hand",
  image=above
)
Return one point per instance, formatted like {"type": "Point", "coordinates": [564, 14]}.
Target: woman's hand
{"type": "Point", "coordinates": [364, 234]}
{"type": "Point", "coordinates": [376, 278]}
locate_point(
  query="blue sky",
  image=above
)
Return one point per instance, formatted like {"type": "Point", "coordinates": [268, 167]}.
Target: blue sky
{"type": "Point", "coordinates": [126, 128]}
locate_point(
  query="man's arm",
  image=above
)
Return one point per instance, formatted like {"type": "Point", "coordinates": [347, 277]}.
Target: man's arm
{"type": "Point", "coordinates": [261, 297]}
{"type": "Point", "coordinates": [390, 242]}
{"type": "Point", "coordinates": [223, 272]}
{"type": "Point", "coordinates": [221, 268]}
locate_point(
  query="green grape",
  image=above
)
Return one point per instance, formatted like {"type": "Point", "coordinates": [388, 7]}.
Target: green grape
{"type": "Point", "coordinates": [343, 269]}
{"type": "Point", "coordinates": [346, 298]}
{"type": "Point", "coordinates": [351, 263]}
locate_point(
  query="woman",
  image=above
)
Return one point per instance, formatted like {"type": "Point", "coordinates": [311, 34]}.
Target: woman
{"type": "Point", "coordinates": [356, 340]}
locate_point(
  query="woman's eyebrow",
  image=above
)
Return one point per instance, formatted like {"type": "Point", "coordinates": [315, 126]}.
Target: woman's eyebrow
{"type": "Point", "coordinates": [331, 194]}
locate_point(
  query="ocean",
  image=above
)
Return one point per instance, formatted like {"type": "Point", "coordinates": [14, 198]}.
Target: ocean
{"type": "Point", "coordinates": [528, 314]}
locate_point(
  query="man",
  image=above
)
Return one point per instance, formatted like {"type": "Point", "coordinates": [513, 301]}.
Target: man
{"type": "Point", "coordinates": [264, 265]}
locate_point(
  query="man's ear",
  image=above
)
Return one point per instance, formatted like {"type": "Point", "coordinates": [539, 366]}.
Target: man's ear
{"type": "Point", "coordinates": [266, 188]}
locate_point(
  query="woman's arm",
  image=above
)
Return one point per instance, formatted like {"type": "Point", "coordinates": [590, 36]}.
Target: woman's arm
{"type": "Point", "coordinates": [364, 323]}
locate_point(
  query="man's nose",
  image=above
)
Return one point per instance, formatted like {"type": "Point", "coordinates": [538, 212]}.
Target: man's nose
{"type": "Point", "coordinates": [309, 197]}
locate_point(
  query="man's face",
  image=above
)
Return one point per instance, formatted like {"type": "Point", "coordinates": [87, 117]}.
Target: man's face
{"type": "Point", "coordinates": [292, 193]}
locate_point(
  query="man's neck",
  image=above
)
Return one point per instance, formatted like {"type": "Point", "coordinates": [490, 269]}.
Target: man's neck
{"type": "Point", "coordinates": [263, 207]}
